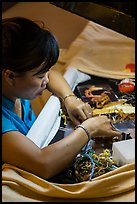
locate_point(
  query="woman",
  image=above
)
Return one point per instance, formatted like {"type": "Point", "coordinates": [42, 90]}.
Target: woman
{"type": "Point", "coordinates": [29, 51]}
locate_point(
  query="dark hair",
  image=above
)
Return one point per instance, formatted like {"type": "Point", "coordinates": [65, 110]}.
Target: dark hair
{"type": "Point", "coordinates": [26, 45]}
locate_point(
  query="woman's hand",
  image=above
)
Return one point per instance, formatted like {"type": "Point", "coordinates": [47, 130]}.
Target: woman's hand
{"type": "Point", "coordinates": [77, 110]}
{"type": "Point", "coordinates": [100, 126]}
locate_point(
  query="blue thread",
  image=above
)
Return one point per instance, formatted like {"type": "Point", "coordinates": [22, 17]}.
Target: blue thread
{"type": "Point", "coordinates": [85, 152]}
{"type": "Point", "coordinates": [93, 166]}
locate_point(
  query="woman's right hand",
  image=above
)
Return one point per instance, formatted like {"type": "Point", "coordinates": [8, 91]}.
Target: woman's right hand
{"type": "Point", "coordinates": [100, 126]}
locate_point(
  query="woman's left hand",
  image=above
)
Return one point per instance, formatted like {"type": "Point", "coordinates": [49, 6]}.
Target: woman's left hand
{"type": "Point", "coordinates": [77, 110]}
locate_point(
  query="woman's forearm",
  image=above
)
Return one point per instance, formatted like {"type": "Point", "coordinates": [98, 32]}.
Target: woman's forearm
{"type": "Point", "coordinates": [58, 85]}
{"type": "Point", "coordinates": [62, 153]}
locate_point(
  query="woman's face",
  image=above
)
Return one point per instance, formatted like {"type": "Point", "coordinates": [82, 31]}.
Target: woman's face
{"type": "Point", "coordinates": [30, 86]}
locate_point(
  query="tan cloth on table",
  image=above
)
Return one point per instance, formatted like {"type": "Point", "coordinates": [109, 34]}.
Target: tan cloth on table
{"type": "Point", "coordinates": [101, 52]}
{"type": "Point", "coordinates": [97, 51]}
{"type": "Point", "coordinates": [20, 186]}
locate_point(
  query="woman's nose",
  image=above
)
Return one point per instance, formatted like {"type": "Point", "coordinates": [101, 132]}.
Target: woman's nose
{"type": "Point", "coordinates": [45, 81]}
{"type": "Point", "coordinates": [46, 78]}
{"type": "Point", "coordinates": [43, 84]}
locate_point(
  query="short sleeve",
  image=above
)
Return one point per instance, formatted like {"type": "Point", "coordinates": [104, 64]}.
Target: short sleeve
{"type": "Point", "coordinates": [7, 125]}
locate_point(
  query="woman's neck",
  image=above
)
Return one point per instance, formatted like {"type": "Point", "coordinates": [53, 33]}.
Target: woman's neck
{"type": "Point", "coordinates": [7, 93]}
{"type": "Point", "coordinates": [10, 97]}
{"type": "Point", "coordinates": [18, 108]}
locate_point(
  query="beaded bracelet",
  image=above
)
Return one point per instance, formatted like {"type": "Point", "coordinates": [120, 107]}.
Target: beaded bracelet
{"type": "Point", "coordinates": [87, 132]}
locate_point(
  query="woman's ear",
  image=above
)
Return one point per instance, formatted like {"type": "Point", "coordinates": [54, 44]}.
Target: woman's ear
{"type": "Point", "coordinates": [9, 76]}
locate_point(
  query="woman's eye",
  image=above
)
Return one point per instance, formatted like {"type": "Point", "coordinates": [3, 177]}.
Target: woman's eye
{"type": "Point", "coordinates": [41, 77]}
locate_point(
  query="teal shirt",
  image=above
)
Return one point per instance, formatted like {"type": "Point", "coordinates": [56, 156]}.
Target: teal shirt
{"type": "Point", "coordinates": [11, 121]}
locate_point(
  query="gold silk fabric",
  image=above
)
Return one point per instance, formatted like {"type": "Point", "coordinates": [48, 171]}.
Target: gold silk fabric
{"type": "Point", "coordinates": [115, 186]}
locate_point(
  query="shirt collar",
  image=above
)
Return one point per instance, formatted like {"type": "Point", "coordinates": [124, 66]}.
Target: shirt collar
{"type": "Point", "coordinates": [8, 103]}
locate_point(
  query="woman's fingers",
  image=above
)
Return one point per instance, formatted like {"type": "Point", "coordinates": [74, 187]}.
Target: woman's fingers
{"type": "Point", "coordinates": [81, 115]}
{"type": "Point", "coordinates": [84, 111]}
{"type": "Point", "coordinates": [87, 110]}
